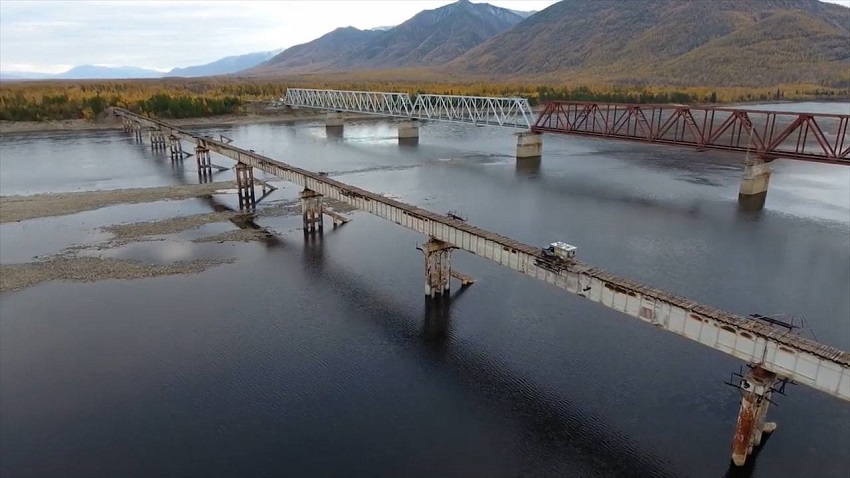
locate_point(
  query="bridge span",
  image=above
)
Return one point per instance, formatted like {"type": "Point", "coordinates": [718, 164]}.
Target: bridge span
{"type": "Point", "coordinates": [761, 135]}
{"type": "Point", "coordinates": [773, 353]}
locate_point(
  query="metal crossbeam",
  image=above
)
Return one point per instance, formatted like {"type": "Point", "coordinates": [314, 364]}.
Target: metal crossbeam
{"type": "Point", "coordinates": [368, 102]}
{"type": "Point", "coordinates": [768, 134]}
{"type": "Point", "coordinates": [478, 110]}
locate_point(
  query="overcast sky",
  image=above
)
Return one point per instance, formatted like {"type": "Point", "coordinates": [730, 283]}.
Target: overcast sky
{"type": "Point", "coordinates": [52, 36]}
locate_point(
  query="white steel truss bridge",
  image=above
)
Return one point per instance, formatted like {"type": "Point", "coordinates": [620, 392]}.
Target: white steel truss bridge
{"type": "Point", "coordinates": [478, 110]}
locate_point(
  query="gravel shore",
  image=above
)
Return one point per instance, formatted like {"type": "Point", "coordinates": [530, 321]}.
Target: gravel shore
{"type": "Point", "coordinates": [91, 269]}
{"type": "Point", "coordinates": [68, 265]}
{"type": "Point", "coordinates": [19, 208]}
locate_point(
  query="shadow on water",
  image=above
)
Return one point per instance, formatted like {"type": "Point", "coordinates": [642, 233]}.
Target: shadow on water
{"type": "Point", "coordinates": [558, 425]}
{"type": "Point", "coordinates": [246, 221]}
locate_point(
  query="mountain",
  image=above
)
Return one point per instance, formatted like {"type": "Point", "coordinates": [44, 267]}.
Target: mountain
{"type": "Point", "coordinates": [226, 65]}
{"type": "Point", "coordinates": [431, 37]}
{"type": "Point", "coordinates": [24, 75]}
{"type": "Point", "coordinates": [321, 52]}
{"type": "Point", "coordinates": [106, 72]}
{"type": "Point", "coordinates": [680, 42]}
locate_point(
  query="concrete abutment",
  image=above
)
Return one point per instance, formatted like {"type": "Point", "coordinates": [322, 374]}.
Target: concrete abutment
{"type": "Point", "coordinates": [408, 132]}
{"type": "Point", "coordinates": [754, 185]}
{"type": "Point", "coordinates": [334, 124]}
{"type": "Point", "coordinates": [529, 145]}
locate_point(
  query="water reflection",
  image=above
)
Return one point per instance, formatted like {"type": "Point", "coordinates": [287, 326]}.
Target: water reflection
{"type": "Point", "coordinates": [571, 435]}
{"type": "Point", "coordinates": [528, 168]}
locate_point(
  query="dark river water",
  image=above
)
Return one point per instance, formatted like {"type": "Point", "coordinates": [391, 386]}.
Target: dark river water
{"type": "Point", "coordinates": [322, 358]}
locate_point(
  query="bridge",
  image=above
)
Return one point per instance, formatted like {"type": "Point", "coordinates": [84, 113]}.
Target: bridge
{"type": "Point", "coordinates": [762, 135]}
{"type": "Point", "coordinates": [774, 354]}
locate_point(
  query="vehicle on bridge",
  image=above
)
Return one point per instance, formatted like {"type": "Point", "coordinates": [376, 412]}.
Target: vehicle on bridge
{"type": "Point", "coordinates": [560, 250]}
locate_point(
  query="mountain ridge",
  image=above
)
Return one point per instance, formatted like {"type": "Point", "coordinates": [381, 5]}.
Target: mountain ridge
{"type": "Point", "coordinates": [430, 37]}
{"type": "Point", "coordinates": [673, 42]}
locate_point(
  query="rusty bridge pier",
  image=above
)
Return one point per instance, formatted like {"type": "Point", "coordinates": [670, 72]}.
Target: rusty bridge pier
{"type": "Point", "coordinates": [757, 387]}
{"type": "Point", "coordinates": [438, 267]}
{"type": "Point", "coordinates": [202, 156]}
{"type": "Point", "coordinates": [136, 127]}
{"type": "Point", "coordinates": [311, 209]}
{"type": "Point", "coordinates": [245, 186]}
{"type": "Point", "coordinates": [175, 147]}
{"type": "Point", "coordinates": [157, 139]}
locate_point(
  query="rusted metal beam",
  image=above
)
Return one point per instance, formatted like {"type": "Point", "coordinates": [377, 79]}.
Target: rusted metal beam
{"type": "Point", "coordinates": [765, 134]}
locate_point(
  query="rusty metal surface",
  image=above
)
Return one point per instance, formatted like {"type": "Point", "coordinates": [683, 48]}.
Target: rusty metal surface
{"type": "Point", "coordinates": [756, 328]}
{"type": "Point", "coordinates": [766, 134]}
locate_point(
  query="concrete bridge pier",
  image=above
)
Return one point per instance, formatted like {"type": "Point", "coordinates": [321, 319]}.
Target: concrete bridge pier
{"type": "Point", "coordinates": [202, 155]}
{"type": "Point", "coordinates": [754, 185]}
{"type": "Point", "coordinates": [245, 186]}
{"type": "Point", "coordinates": [311, 208]}
{"type": "Point", "coordinates": [529, 145]}
{"type": "Point", "coordinates": [176, 148]}
{"type": "Point", "coordinates": [438, 267]}
{"type": "Point", "coordinates": [408, 132]}
{"type": "Point", "coordinates": [757, 387]}
{"type": "Point", "coordinates": [334, 124]}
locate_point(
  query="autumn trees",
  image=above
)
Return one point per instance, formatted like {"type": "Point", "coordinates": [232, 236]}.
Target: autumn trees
{"type": "Point", "coordinates": [187, 98]}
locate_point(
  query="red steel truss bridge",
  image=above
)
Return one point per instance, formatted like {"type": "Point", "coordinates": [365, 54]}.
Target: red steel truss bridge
{"type": "Point", "coordinates": [767, 135]}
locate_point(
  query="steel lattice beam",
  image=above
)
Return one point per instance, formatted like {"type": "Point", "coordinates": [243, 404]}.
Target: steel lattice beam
{"type": "Point", "coordinates": [767, 134]}
{"type": "Point", "coordinates": [478, 110]}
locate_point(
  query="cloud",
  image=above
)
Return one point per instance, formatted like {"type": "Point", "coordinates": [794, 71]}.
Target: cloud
{"type": "Point", "coordinates": [165, 34]}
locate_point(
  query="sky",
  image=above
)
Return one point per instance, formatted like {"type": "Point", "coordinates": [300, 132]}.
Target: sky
{"type": "Point", "coordinates": [53, 36]}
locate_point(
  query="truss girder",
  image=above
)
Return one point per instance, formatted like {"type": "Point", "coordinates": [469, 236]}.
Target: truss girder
{"type": "Point", "coordinates": [765, 134]}
{"type": "Point", "coordinates": [477, 110]}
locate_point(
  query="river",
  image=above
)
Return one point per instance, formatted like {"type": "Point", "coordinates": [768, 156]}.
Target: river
{"type": "Point", "coordinates": [322, 358]}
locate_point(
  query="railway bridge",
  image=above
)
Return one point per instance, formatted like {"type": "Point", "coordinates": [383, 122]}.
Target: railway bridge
{"type": "Point", "coordinates": [762, 136]}
{"type": "Point", "coordinates": [773, 353]}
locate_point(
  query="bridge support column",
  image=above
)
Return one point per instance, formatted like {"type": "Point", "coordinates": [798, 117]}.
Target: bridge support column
{"type": "Point", "coordinates": [754, 184]}
{"type": "Point", "coordinates": [757, 387]}
{"type": "Point", "coordinates": [529, 145]}
{"type": "Point", "coordinates": [202, 155]}
{"type": "Point", "coordinates": [176, 148]}
{"type": "Point", "coordinates": [157, 139]}
{"type": "Point", "coordinates": [137, 131]}
{"type": "Point", "coordinates": [438, 267]}
{"type": "Point", "coordinates": [334, 124]}
{"type": "Point", "coordinates": [311, 208]}
{"type": "Point", "coordinates": [408, 132]}
{"type": "Point", "coordinates": [245, 186]}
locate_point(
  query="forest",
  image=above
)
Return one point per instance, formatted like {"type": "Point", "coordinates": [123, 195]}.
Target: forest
{"type": "Point", "coordinates": [191, 98]}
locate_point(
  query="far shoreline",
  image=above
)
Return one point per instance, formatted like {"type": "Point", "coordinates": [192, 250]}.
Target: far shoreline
{"type": "Point", "coordinates": [289, 117]}
{"type": "Point", "coordinates": [113, 124]}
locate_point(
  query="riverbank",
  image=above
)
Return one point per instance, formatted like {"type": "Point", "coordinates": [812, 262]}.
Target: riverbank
{"type": "Point", "coordinates": [111, 123]}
